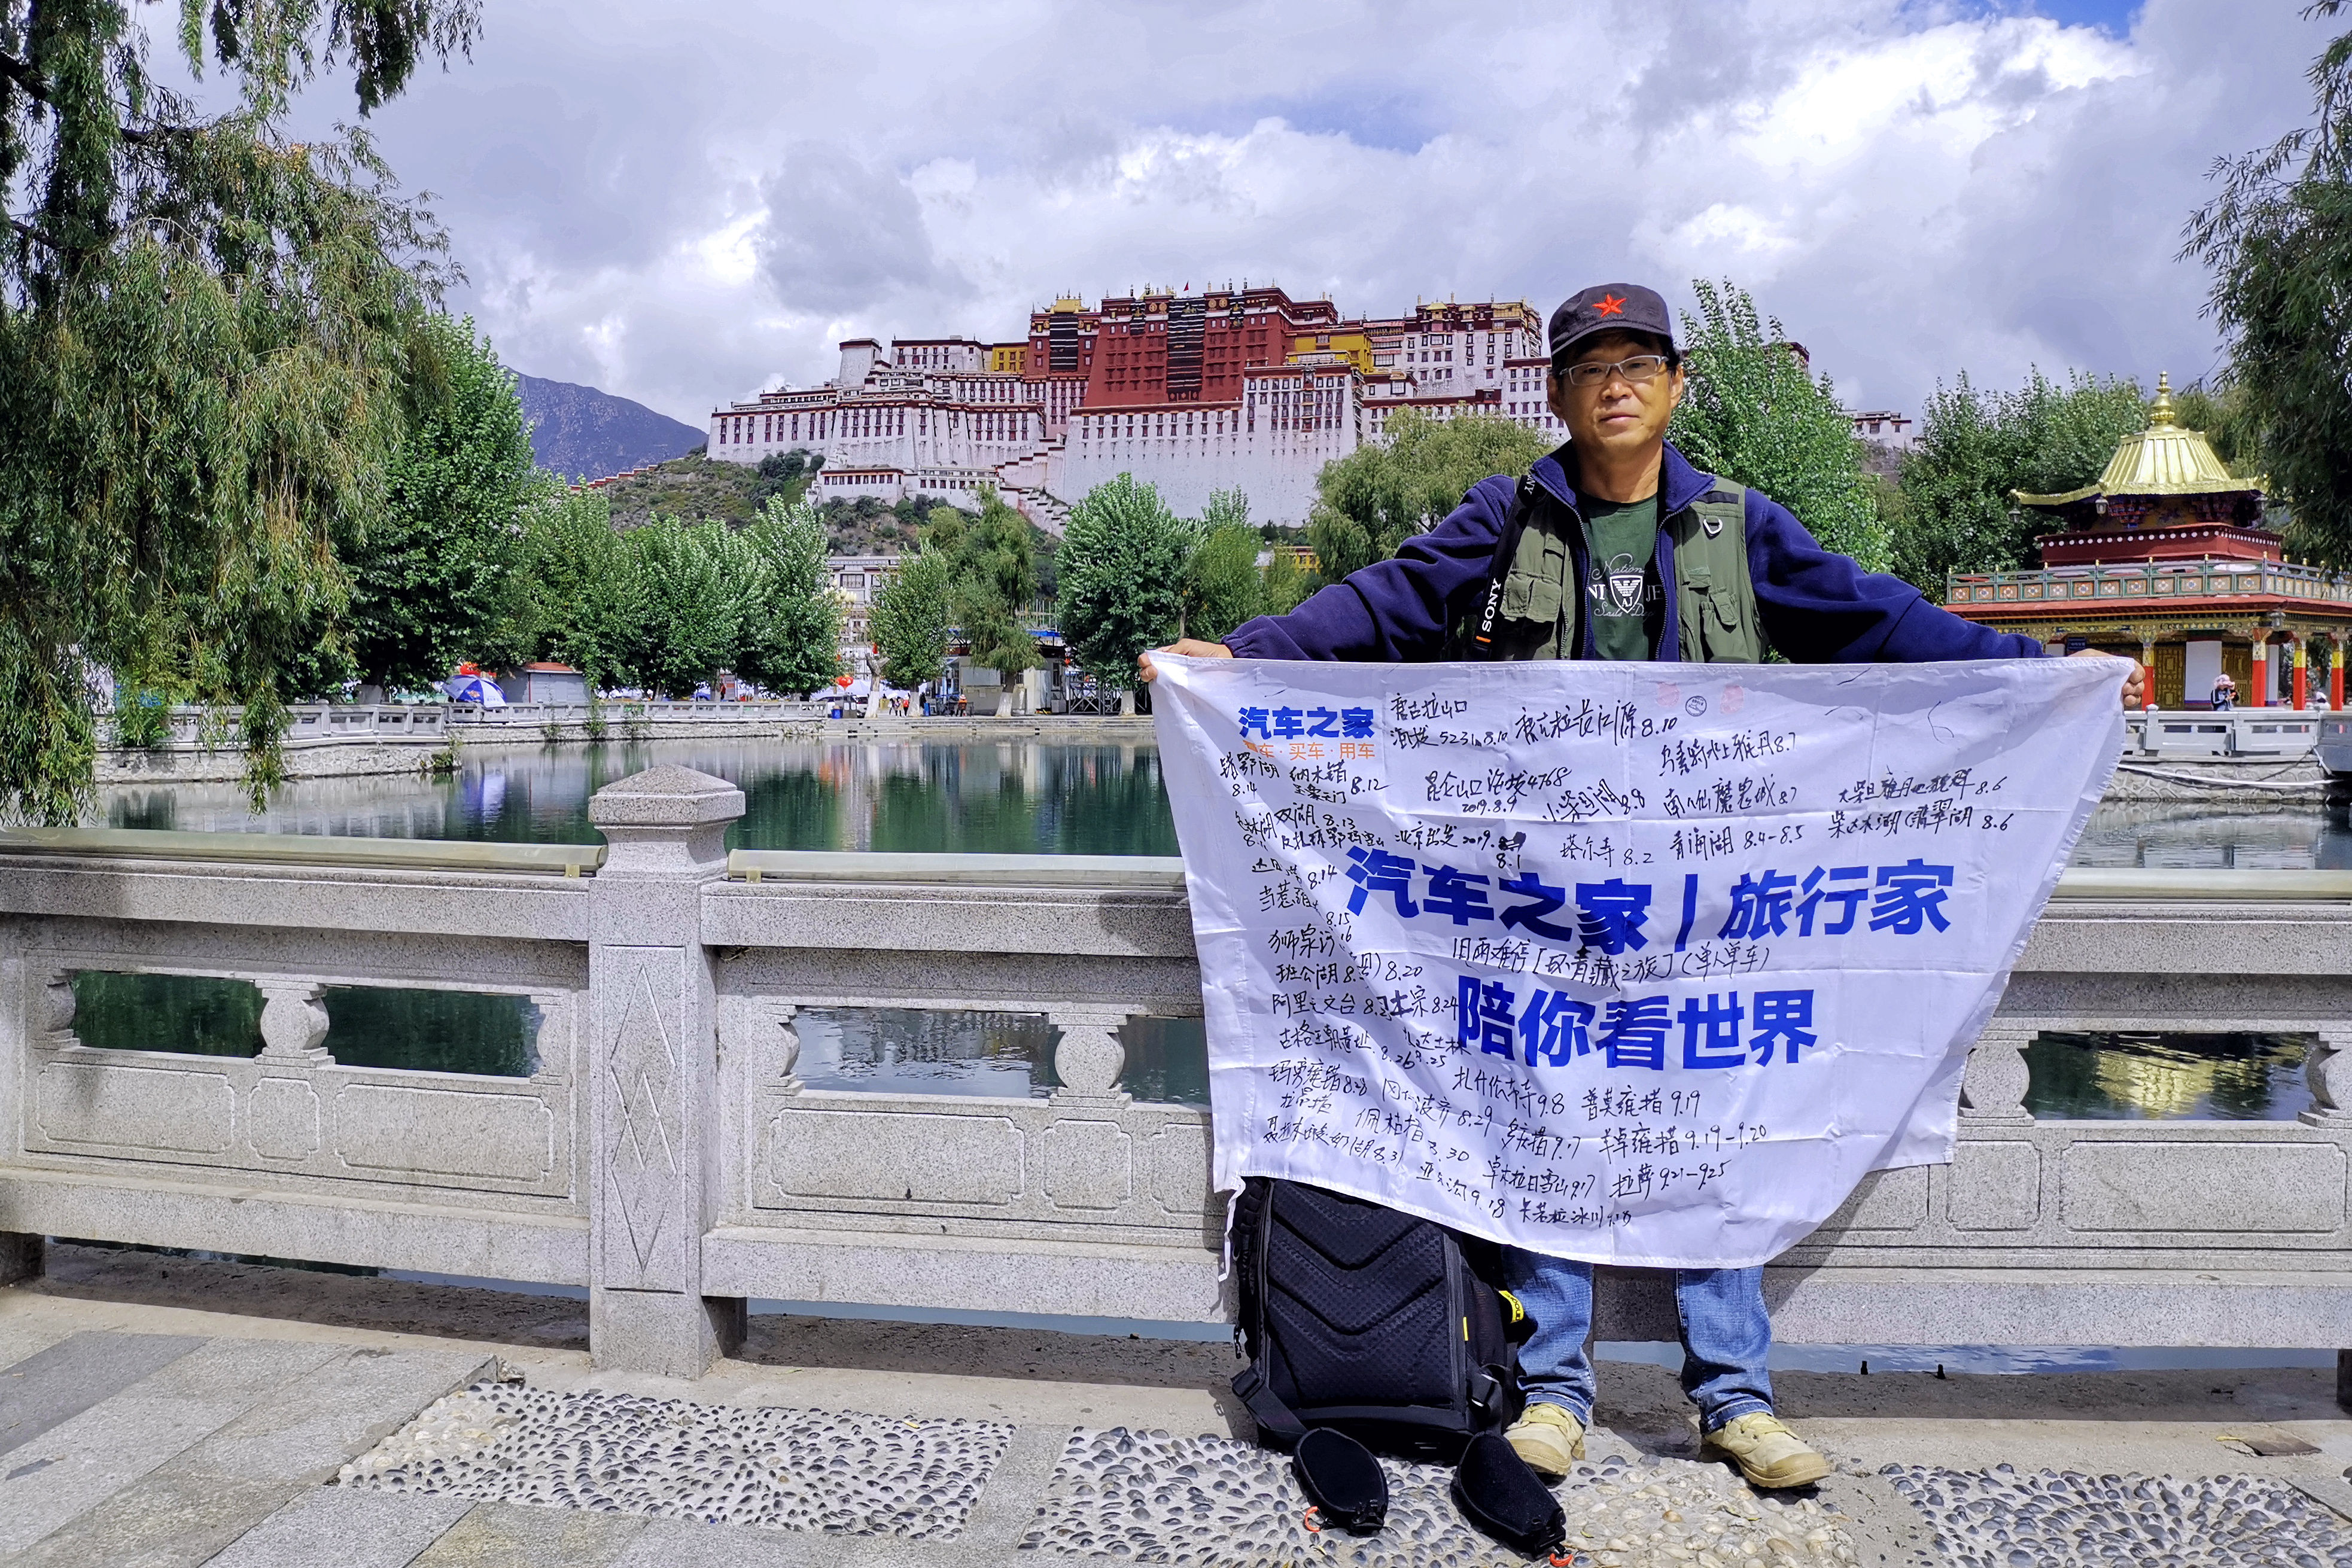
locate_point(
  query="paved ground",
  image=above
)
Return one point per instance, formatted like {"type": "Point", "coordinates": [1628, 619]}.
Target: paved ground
{"type": "Point", "coordinates": [161, 1411]}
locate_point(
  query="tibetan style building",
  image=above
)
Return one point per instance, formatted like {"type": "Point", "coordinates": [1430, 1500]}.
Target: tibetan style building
{"type": "Point", "coordinates": [2167, 560]}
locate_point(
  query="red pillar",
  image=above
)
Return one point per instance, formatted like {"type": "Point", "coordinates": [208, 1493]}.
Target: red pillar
{"type": "Point", "coordinates": [2259, 677]}
{"type": "Point", "coordinates": [2148, 676]}
{"type": "Point", "coordinates": [2302, 679]}
{"type": "Point", "coordinates": [2335, 672]}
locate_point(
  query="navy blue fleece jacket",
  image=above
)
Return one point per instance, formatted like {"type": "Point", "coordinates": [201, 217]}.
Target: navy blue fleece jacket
{"type": "Point", "coordinates": [1818, 607]}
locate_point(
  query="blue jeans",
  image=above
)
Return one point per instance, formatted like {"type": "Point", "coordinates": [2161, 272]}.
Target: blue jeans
{"type": "Point", "coordinates": [1727, 1336]}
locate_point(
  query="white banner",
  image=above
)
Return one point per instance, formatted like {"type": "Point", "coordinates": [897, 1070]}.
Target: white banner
{"type": "Point", "coordinates": [1640, 963]}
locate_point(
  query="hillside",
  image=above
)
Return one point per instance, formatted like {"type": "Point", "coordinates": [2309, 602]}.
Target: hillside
{"type": "Point", "coordinates": [584, 434]}
{"type": "Point", "coordinates": [696, 489]}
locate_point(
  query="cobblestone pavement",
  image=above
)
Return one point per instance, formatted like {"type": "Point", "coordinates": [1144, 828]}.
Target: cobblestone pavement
{"type": "Point", "coordinates": [320, 1422]}
{"type": "Point", "coordinates": [2001, 1519]}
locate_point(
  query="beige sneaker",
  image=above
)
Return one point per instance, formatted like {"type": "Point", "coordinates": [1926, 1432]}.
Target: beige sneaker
{"type": "Point", "coordinates": [1767, 1453]}
{"type": "Point", "coordinates": [1548, 1438]}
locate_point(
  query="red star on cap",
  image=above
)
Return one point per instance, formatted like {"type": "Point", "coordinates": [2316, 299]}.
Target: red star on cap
{"type": "Point", "coordinates": [1608, 304]}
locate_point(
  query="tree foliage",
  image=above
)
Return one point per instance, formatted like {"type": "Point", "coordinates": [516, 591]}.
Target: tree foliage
{"type": "Point", "coordinates": [1379, 496]}
{"type": "Point", "coordinates": [427, 571]}
{"type": "Point", "coordinates": [910, 619]}
{"type": "Point", "coordinates": [204, 331]}
{"type": "Point", "coordinates": [668, 606]}
{"type": "Point", "coordinates": [2279, 239]}
{"type": "Point", "coordinates": [1976, 447]}
{"type": "Point", "coordinates": [573, 594]}
{"type": "Point", "coordinates": [1754, 413]}
{"type": "Point", "coordinates": [1222, 585]}
{"type": "Point", "coordinates": [1122, 565]}
{"type": "Point", "coordinates": [790, 640]}
{"type": "Point", "coordinates": [993, 581]}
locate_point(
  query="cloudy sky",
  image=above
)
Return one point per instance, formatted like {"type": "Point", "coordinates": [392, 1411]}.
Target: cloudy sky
{"type": "Point", "coordinates": [684, 204]}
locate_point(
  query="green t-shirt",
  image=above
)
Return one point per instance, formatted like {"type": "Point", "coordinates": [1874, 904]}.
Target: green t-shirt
{"type": "Point", "coordinates": [1619, 539]}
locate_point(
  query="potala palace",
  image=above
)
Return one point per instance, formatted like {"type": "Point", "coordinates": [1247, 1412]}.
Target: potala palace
{"type": "Point", "coordinates": [1240, 388]}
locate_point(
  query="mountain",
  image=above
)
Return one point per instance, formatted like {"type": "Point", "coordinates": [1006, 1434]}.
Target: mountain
{"type": "Point", "coordinates": [584, 434]}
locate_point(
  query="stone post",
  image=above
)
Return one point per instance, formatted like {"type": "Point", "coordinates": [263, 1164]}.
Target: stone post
{"type": "Point", "coordinates": [655, 1114]}
{"type": "Point", "coordinates": [1994, 1088]}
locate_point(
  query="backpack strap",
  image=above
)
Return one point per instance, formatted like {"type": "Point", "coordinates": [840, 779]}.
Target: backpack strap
{"type": "Point", "coordinates": [1279, 1426]}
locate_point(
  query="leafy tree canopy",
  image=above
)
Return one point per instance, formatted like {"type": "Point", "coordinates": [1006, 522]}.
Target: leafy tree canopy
{"type": "Point", "coordinates": [1976, 447]}
{"type": "Point", "coordinates": [1755, 415]}
{"type": "Point", "coordinates": [791, 637]}
{"type": "Point", "coordinates": [204, 331]}
{"type": "Point", "coordinates": [910, 618]}
{"type": "Point", "coordinates": [1379, 495]}
{"type": "Point", "coordinates": [993, 580]}
{"type": "Point", "coordinates": [2279, 239]}
{"type": "Point", "coordinates": [427, 571]}
{"type": "Point", "coordinates": [1122, 562]}
{"type": "Point", "coordinates": [1222, 586]}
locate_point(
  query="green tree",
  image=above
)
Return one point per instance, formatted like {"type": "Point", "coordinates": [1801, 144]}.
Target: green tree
{"type": "Point", "coordinates": [2279, 239]}
{"type": "Point", "coordinates": [993, 568]}
{"type": "Point", "coordinates": [910, 619]}
{"type": "Point", "coordinates": [1379, 495]}
{"type": "Point", "coordinates": [791, 637]}
{"type": "Point", "coordinates": [427, 572]}
{"type": "Point", "coordinates": [574, 594]}
{"type": "Point", "coordinates": [204, 330]}
{"type": "Point", "coordinates": [1222, 586]}
{"type": "Point", "coordinates": [1976, 448]}
{"type": "Point", "coordinates": [1284, 585]}
{"type": "Point", "coordinates": [691, 579]}
{"type": "Point", "coordinates": [1754, 413]}
{"type": "Point", "coordinates": [1122, 559]}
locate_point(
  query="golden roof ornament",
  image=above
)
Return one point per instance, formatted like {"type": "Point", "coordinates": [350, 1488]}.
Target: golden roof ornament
{"type": "Point", "coordinates": [2162, 460]}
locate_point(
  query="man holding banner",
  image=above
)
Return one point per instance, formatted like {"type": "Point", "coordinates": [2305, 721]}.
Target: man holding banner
{"type": "Point", "coordinates": [1614, 547]}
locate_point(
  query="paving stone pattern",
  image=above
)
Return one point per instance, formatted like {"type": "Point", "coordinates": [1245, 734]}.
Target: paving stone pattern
{"type": "Point", "coordinates": [1150, 1496]}
{"type": "Point", "coordinates": [1999, 1519]}
{"type": "Point", "coordinates": [617, 1453]}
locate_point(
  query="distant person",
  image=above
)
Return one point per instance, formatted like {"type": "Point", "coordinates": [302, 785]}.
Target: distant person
{"type": "Point", "coordinates": [1604, 553]}
{"type": "Point", "coordinates": [2225, 692]}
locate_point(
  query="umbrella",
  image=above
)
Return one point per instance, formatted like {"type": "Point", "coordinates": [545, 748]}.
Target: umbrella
{"type": "Point", "coordinates": [475, 688]}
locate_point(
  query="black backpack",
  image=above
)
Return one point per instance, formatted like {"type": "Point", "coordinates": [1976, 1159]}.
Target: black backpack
{"type": "Point", "coordinates": [1387, 1327]}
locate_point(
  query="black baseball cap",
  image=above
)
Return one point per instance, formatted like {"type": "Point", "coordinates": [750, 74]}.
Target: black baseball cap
{"type": "Point", "coordinates": [1608, 307]}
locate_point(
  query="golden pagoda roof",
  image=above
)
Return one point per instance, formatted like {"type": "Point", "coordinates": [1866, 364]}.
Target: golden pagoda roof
{"type": "Point", "coordinates": [2162, 460]}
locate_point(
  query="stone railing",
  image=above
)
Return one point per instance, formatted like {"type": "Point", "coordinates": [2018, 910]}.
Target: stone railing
{"type": "Point", "coordinates": [2234, 732]}
{"type": "Point", "coordinates": [625, 713]}
{"type": "Point", "coordinates": [306, 723]}
{"type": "Point", "coordinates": [2154, 583]}
{"type": "Point", "coordinates": [660, 1148]}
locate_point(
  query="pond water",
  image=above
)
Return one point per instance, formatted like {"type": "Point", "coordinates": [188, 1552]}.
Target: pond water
{"type": "Point", "coordinates": [1007, 796]}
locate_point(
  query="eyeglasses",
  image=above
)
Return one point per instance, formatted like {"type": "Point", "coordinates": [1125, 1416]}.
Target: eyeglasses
{"type": "Point", "coordinates": [1639, 369]}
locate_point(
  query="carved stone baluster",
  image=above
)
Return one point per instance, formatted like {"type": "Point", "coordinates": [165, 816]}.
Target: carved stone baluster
{"type": "Point", "coordinates": [1994, 1087]}
{"type": "Point", "coordinates": [52, 1020]}
{"type": "Point", "coordinates": [1090, 1056]}
{"type": "Point", "coordinates": [787, 1046]}
{"type": "Point", "coordinates": [2329, 1072]}
{"type": "Point", "coordinates": [293, 1023]}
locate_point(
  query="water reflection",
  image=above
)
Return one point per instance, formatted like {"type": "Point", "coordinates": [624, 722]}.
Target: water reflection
{"type": "Point", "coordinates": [1017, 797]}
{"type": "Point", "coordinates": [2215, 836]}
{"type": "Point", "coordinates": [1014, 796]}
{"type": "Point", "coordinates": [2167, 1077]}
{"type": "Point", "coordinates": [907, 1050]}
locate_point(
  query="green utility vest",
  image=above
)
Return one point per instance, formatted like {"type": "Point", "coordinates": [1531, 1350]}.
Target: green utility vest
{"type": "Point", "coordinates": [1540, 611]}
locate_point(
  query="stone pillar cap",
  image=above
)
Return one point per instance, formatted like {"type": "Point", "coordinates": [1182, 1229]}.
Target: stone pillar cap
{"type": "Point", "coordinates": [666, 797]}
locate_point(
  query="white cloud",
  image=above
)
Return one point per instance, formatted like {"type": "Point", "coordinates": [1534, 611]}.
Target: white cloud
{"type": "Point", "coordinates": [684, 207]}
